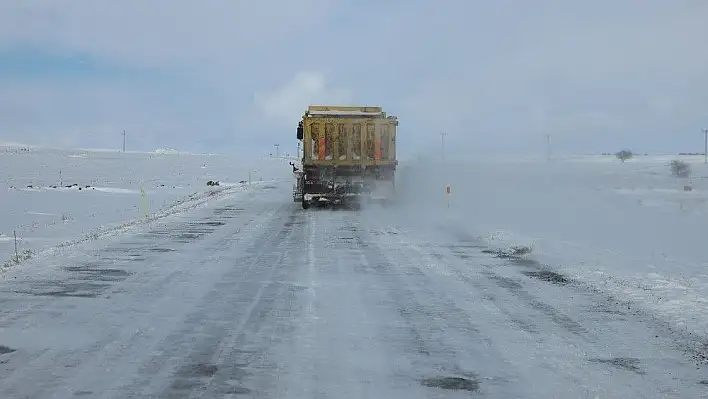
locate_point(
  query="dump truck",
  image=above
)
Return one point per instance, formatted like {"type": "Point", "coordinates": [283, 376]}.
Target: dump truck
{"type": "Point", "coordinates": [348, 156]}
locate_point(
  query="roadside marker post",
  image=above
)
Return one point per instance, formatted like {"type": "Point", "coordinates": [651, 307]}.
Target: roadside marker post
{"type": "Point", "coordinates": [143, 200]}
{"type": "Point", "coordinates": [448, 192]}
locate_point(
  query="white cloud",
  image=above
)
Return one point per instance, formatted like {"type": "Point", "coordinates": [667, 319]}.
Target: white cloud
{"type": "Point", "coordinates": [288, 102]}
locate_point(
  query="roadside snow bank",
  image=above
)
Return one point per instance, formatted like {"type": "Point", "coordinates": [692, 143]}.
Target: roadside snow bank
{"type": "Point", "coordinates": [53, 197]}
{"type": "Point", "coordinates": [632, 229]}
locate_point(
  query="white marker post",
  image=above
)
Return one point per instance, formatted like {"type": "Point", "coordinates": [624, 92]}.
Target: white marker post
{"type": "Point", "coordinates": [143, 201]}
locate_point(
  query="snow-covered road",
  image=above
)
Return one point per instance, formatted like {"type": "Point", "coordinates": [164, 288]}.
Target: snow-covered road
{"type": "Point", "coordinates": [255, 297]}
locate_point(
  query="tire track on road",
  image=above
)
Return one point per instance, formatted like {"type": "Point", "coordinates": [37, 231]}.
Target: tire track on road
{"type": "Point", "coordinates": [450, 341]}
{"type": "Point", "coordinates": [581, 353]}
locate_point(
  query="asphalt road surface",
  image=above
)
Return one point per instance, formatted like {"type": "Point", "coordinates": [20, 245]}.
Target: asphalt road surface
{"type": "Point", "coordinates": [257, 298]}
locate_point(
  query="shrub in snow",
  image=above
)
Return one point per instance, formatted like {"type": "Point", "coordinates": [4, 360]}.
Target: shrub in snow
{"type": "Point", "coordinates": [212, 183]}
{"type": "Point", "coordinates": [680, 168]}
{"type": "Point", "coordinates": [19, 258]}
{"type": "Point", "coordinates": [519, 250]}
{"type": "Point", "coordinates": [624, 155]}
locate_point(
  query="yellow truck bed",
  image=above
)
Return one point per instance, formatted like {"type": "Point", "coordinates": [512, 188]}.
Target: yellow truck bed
{"type": "Point", "coordinates": [348, 135]}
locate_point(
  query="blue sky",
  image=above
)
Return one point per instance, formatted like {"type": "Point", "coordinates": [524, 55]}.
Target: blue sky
{"type": "Point", "coordinates": [234, 76]}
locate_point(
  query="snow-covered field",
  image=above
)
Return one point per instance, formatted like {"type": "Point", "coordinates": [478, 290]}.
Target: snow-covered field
{"type": "Point", "coordinates": [630, 228]}
{"type": "Point", "coordinates": [50, 198]}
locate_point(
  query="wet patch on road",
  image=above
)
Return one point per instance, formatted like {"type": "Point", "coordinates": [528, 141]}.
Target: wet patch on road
{"type": "Point", "coordinates": [160, 250]}
{"type": "Point", "coordinates": [606, 310]}
{"type": "Point", "coordinates": [124, 248]}
{"type": "Point", "coordinates": [293, 222]}
{"type": "Point", "coordinates": [524, 325]}
{"type": "Point", "coordinates": [624, 363]}
{"type": "Point", "coordinates": [185, 238]}
{"type": "Point", "coordinates": [505, 282]}
{"type": "Point", "coordinates": [116, 259]}
{"type": "Point", "coordinates": [123, 252]}
{"type": "Point", "coordinates": [235, 391]}
{"type": "Point", "coordinates": [290, 285]}
{"type": "Point", "coordinates": [513, 257]}
{"type": "Point", "coordinates": [215, 223]}
{"type": "Point", "coordinates": [547, 275]}
{"type": "Point", "coordinates": [463, 250]}
{"type": "Point", "coordinates": [461, 255]}
{"type": "Point", "coordinates": [228, 212]}
{"type": "Point", "coordinates": [464, 245]}
{"type": "Point", "coordinates": [65, 289]}
{"type": "Point", "coordinates": [452, 383]}
{"type": "Point", "coordinates": [204, 370]}
{"type": "Point", "coordinates": [190, 232]}
{"type": "Point", "coordinates": [96, 273]}
{"type": "Point", "coordinates": [86, 280]}
{"type": "Point", "coordinates": [191, 376]}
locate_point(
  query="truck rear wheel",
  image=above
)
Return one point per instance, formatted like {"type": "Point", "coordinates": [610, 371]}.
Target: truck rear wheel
{"type": "Point", "coordinates": [305, 204]}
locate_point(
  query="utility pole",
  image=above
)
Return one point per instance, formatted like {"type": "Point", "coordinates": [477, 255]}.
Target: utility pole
{"type": "Point", "coordinates": [123, 141]}
{"type": "Point", "coordinates": [442, 147]}
{"type": "Point", "coordinates": [442, 155]}
{"type": "Point", "coordinates": [277, 150]}
{"type": "Point", "coordinates": [705, 146]}
{"type": "Point", "coordinates": [548, 147]}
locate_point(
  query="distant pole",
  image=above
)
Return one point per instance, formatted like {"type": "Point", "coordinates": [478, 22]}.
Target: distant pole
{"type": "Point", "coordinates": [277, 150]}
{"type": "Point", "coordinates": [548, 147]}
{"type": "Point", "coordinates": [123, 141]}
{"type": "Point", "coordinates": [705, 145]}
{"type": "Point", "coordinates": [442, 156]}
{"type": "Point", "coordinates": [17, 254]}
{"type": "Point", "coordinates": [442, 145]}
